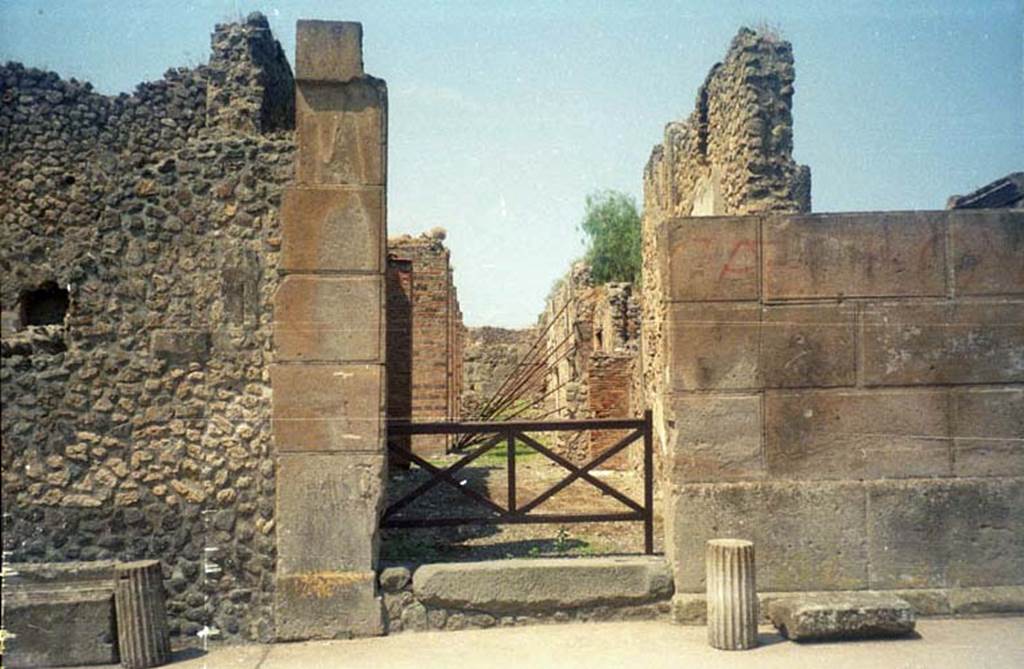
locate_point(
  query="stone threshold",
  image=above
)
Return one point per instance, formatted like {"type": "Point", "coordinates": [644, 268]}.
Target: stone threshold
{"type": "Point", "coordinates": [691, 608]}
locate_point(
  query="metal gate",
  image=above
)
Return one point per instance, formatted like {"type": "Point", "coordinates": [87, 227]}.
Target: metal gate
{"type": "Point", "coordinates": [511, 432]}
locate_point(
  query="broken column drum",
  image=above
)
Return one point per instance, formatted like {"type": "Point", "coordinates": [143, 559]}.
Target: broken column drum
{"type": "Point", "coordinates": [142, 635]}
{"type": "Point", "coordinates": [732, 594]}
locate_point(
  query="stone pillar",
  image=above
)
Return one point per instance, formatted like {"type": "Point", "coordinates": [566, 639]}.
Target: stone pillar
{"type": "Point", "coordinates": [328, 376]}
{"type": "Point", "coordinates": [142, 635]}
{"type": "Point", "coordinates": [732, 594]}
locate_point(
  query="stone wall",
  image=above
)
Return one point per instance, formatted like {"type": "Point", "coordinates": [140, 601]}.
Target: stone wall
{"type": "Point", "coordinates": [491, 356]}
{"type": "Point", "coordinates": [425, 328]}
{"type": "Point", "coordinates": [135, 424]}
{"type": "Point", "coordinates": [732, 155]}
{"type": "Point", "coordinates": [847, 391]}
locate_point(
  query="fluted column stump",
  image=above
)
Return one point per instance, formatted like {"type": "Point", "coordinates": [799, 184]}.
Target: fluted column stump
{"type": "Point", "coordinates": [732, 594]}
{"type": "Point", "coordinates": [142, 635]}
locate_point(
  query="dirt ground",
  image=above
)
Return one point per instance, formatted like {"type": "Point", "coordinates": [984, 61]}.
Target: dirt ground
{"type": "Point", "coordinates": [535, 473]}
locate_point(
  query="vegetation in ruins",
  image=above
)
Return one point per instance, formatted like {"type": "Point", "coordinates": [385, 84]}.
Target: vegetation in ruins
{"type": "Point", "coordinates": [611, 224]}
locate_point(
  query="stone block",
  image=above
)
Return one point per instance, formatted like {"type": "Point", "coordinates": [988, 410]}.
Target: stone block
{"type": "Point", "coordinates": [332, 229]}
{"type": "Point", "coordinates": [987, 601]}
{"type": "Point", "coordinates": [328, 50]}
{"type": "Point", "coordinates": [328, 318]}
{"type": "Point", "coordinates": [987, 252]}
{"type": "Point", "coordinates": [933, 533]}
{"type": "Point", "coordinates": [854, 255]}
{"type": "Point", "coordinates": [328, 408]}
{"type": "Point", "coordinates": [525, 586]}
{"type": "Point", "coordinates": [713, 346]}
{"type": "Point", "coordinates": [180, 347]}
{"type": "Point", "coordinates": [341, 133]}
{"type": "Point", "coordinates": [857, 434]}
{"type": "Point", "coordinates": [847, 615]}
{"type": "Point", "coordinates": [988, 432]}
{"type": "Point", "coordinates": [715, 438]}
{"type": "Point", "coordinates": [808, 346]}
{"type": "Point", "coordinates": [943, 343]}
{"type": "Point", "coordinates": [69, 625]}
{"type": "Point", "coordinates": [327, 511]}
{"type": "Point", "coordinates": [328, 605]}
{"type": "Point", "coordinates": [714, 259]}
{"type": "Point", "coordinates": [810, 536]}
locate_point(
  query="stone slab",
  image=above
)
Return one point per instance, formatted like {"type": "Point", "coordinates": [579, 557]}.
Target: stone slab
{"type": "Point", "coordinates": [857, 434]}
{"type": "Point", "coordinates": [341, 133]}
{"type": "Point", "coordinates": [332, 229]}
{"type": "Point", "coordinates": [327, 605]}
{"type": "Point", "coordinates": [1007, 599]}
{"type": "Point", "coordinates": [930, 533]}
{"type": "Point", "coordinates": [878, 254]}
{"type": "Point", "coordinates": [714, 258]}
{"type": "Point", "coordinates": [809, 346]}
{"type": "Point", "coordinates": [809, 535]}
{"type": "Point", "coordinates": [524, 586]}
{"type": "Point", "coordinates": [328, 408]}
{"type": "Point", "coordinates": [713, 346]}
{"type": "Point", "coordinates": [943, 343]}
{"type": "Point", "coordinates": [842, 616]}
{"type": "Point", "coordinates": [328, 50]}
{"type": "Point", "coordinates": [70, 626]}
{"type": "Point", "coordinates": [328, 318]}
{"type": "Point", "coordinates": [716, 438]}
{"type": "Point", "coordinates": [327, 512]}
{"type": "Point", "coordinates": [988, 432]}
{"type": "Point", "coordinates": [987, 252]}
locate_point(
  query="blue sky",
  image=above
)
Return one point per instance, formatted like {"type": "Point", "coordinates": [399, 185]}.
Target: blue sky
{"type": "Point", "coordinates": [503, 116]}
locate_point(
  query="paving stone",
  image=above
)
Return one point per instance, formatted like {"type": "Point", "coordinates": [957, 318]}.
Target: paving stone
{"type": "Point", "coordinates": [841, 616]}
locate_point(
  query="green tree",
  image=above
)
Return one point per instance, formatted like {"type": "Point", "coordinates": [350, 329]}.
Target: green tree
{"type": "Point", "coordinates": [612, 226]}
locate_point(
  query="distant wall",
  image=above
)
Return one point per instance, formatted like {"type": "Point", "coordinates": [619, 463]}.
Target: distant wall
{"type": "Point", "coordinates": [847, 390]}
{"type": "Point", "coordinates": [490, 357]}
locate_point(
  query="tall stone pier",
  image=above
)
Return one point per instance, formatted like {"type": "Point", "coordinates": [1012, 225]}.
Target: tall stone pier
{"type": "Point", "coordinates": [328, 376]}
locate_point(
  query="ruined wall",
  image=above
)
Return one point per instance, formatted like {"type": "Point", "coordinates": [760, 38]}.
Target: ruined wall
{"type": "Point", "coordinates": [847, 391]}
{"type": "Point", "coordinates": [137, 425]}
{"type": "Point", "coordinates": [490, 356]}
{"type": "Point", "coordinates": [426, 374]}
{"type": "Point", "coordinates": [732, 155]}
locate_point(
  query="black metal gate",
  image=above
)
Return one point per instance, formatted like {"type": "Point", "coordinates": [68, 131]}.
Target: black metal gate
{"type": "Point", "coordinates": [511, 432]}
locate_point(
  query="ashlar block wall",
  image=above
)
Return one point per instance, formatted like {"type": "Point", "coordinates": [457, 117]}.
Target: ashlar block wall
{"type": "Point", "coordinates": [847, 391]}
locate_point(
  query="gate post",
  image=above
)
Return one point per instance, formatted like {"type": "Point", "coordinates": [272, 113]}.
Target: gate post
{"type": "Point", "coordinates": [328, 376]}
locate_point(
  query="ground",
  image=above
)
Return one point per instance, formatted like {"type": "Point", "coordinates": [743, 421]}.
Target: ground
{"type": "Point", "coordinates": [535, 473]}
{"type": "Point", "coordinates": [983, 642]}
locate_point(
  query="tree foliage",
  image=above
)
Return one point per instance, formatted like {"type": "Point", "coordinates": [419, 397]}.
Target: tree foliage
{"type": "Point", "coordinates": [612, 226]}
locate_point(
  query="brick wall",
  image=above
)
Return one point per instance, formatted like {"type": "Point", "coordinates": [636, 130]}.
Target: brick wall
{"type": "Point", "coordinates": [427, 355]}
{"type": "Point", "coordinates": [847, 390]}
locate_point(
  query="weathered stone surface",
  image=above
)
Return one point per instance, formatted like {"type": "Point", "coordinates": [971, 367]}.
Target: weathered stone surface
{"type": "Point", "coordinates": [393, 579]}
{"type": "Point", "coordinates": [327, 508]}
{"type": "Point", "coordinates": [328, 50]}
{"type": "Point", "coordinates": [142, 635]}
{"type": "Point", "coordinates": [994, 599]}
{"type": "Point", "coordinates": [854, 255]}
{"type": "Point", "coordinates": [328, 408]}
{"type": "Point", "coordinates": [940, 343]}
{"type": "Point", "coordinates": [988, 432]}
{"type": "Point", "coordinates": [716, 438]}
{"type": "Point", "coordinates": [842, 616]}
{"type": "Point", "coordinates": [328, 318]}
{"type": "Point", "coordinates": [987, 252]}
{"type": "Point", "coordinates": [856, 434]}
{"type": "Point", "coordinates": [515, 586]}
{"type": "Point", "coordinates": [732, 594]}
{"type": "Point", "coordinates": [809, 535]}
{"type": "Point", "coordinates": [714, 259]}
{"type": "Point", "coordinates": [335, 229]}
{"type": "Point", "coordinates": [341, 133]}
{"type": "Point", "coordinates": [180, 346]}
{"type": "Point", "coordinates": [946, 533]}
{"type": "Point", "coordinates": [714, 346]}
{"type": "Point", "coordinates": [808, 346]}
{"type": "Point", "coordinates": [72, 625]}
{"type": "Point", "coordinates": [328, 605]}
